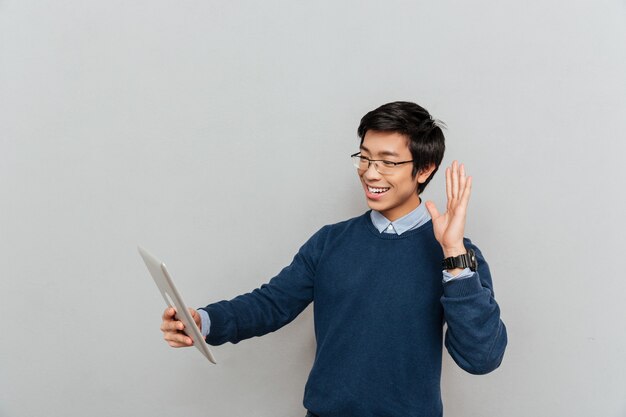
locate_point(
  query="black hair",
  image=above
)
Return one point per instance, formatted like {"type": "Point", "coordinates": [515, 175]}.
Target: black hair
{"type": "Point", "coordinates": [425, 138]}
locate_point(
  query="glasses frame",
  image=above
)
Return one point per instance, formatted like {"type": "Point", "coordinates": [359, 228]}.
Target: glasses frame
{"type": "Point", "coordinates": [393, 166]}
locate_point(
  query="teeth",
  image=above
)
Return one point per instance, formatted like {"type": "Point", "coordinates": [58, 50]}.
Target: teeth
{"type": "Point", "coordinates": [377, 190]}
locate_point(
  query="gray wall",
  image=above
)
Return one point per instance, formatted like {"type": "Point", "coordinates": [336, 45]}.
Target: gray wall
{"type": "Point", "coordinates": [217, 134]}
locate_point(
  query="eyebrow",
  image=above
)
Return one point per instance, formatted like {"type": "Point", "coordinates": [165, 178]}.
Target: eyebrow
{"type": "Point", "coordinates": [382, 153]}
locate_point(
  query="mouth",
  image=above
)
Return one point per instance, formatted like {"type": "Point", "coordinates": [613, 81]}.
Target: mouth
{"type": "Point", "coordinates": [375, 192]}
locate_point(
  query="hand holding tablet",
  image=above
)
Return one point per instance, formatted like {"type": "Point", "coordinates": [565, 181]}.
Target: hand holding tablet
{"type": "Point", "coordinates": [170, 294]}
{"type": "Point", "coordinates": [173, 328]}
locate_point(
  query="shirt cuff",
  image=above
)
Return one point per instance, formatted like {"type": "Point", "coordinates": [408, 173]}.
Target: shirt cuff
{"type": "Point", "coordinates": [466, 273]}
{"type": "Point", "coordinates": [206, 322]}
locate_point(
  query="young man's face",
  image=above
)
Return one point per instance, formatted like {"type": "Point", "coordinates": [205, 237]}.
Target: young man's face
{"type": "Point", "coordinates": [393, 195]}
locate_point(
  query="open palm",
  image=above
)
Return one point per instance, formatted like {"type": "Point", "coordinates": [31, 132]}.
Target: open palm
{"type": "Point", "coordinates": [450, 226]}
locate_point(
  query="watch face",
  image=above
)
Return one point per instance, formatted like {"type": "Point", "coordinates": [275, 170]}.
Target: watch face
{"type": "Point", "coordinates": [473, 262]}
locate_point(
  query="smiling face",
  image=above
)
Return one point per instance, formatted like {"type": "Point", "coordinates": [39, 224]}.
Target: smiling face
{"type": "Point", "coordinates": [393, 195]}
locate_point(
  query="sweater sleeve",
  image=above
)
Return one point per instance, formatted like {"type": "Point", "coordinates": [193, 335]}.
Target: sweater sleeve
{"type": "Point", "coordinates": [270, 307]}
{"type": "Point", "coordinates": [476, 336]}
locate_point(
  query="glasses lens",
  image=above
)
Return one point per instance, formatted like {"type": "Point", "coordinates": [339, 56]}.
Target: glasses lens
{"type": "Point", "coordinates": [359, 162]}
{"type": "Point", "coordinates": [362, 164]}
{"type": "Point", "coordinates": [385, 167]}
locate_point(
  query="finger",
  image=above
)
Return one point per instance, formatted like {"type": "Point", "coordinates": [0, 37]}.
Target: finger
{"type": "Point", "coordinates": [172, 326]}
{"type": "Point", "coordinates": [186, 340]}
{"type": "Point", "coordinates": [196, 318]}
{"type": "Point", "coordinates": [169, 313]}
{"type": "Point", "coordinates": [432, 209]}
{"type": "Point", "coordinates": [455, 180]}
{"type": "Point", "coordinates": [178, 340]}
{"type": "Point", "coordinates": [177, 345]}
{"type": "Point", "coordinates": [194, 314]}
{"type": "Point", "coordinates": [448, 186]}
{"type": "Point", "coordinates": [462, 181]}
{"type": "Point", "coordinates": [467, 192]}
{"type": "Point", "coordinates": [174, 343]}
{"type": "Point", "coordinates": [178, 336]}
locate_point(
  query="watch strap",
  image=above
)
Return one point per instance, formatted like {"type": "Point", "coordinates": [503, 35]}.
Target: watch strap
{"type": "Point", "coordinates": [467, 260]}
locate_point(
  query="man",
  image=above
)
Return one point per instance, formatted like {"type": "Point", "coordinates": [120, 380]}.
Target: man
{"type": "Point", "coordinates": [384, 283]}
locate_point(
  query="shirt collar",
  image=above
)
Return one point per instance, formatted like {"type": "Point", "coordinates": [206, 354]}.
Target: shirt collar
{"type": "Point", "coordinates": [411, 221]}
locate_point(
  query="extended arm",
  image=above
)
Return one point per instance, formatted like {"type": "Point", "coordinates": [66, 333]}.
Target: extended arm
{"type": "Point", "coordinates": [269, 307]}
{"type": "Point", "coordinates": [264, 310]}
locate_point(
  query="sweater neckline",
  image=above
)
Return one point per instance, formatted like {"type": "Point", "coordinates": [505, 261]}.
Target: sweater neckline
{"type": "Point", "coordinates": [393, 236]}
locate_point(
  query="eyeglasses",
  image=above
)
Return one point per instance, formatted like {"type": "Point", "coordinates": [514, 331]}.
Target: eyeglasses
{"type": "Point", "coordinates": [362, 163]}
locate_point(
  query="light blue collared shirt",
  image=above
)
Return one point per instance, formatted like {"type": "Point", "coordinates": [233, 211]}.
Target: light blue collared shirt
{"type": "Point", "coordinates": [416, 218]}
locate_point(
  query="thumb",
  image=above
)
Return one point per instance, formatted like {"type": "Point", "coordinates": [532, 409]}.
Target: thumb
{"type": "Point", "coordinates": [432, 210]}
{"type": "Point", "coordinates": [196, 317]}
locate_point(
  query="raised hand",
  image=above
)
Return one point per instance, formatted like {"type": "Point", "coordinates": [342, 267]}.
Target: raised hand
{"type": "Point", "coordinates": [450, 226]}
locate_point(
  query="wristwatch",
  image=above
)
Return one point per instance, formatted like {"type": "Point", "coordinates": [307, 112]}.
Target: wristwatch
{"type": "Point", "coordinates": [467, 260]}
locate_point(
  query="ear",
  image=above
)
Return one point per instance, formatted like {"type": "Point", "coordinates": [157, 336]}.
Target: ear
{"type": "Point", "coordinates": [423, 175]}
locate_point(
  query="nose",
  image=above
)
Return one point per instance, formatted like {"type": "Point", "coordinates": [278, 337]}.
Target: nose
{"type": "Point", "coordinates": [370, 173]}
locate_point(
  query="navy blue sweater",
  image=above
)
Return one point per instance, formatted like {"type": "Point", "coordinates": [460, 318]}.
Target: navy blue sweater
{"type": "Point", "coordinates": [379, 310]}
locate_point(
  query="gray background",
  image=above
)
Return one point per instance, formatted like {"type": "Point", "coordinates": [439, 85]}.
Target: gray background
{"type": "Point", "coordinates": [217, 134]}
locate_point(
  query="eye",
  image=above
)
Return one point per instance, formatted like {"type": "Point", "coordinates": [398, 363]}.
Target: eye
{"type": "Point", "coordinates": [388, 164]}
{"type": "Point", "coordinates": [363, 159]}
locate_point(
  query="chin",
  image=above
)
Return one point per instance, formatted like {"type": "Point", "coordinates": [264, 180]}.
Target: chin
{"type": "Point", "coordinates": [376, 206]}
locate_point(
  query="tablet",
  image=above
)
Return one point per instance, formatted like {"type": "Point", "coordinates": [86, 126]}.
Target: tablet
{"type": "Point", "coordinates": [172, 297]}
